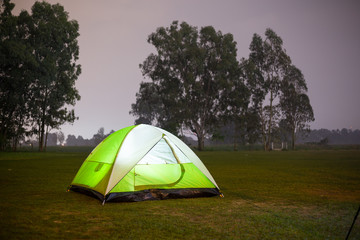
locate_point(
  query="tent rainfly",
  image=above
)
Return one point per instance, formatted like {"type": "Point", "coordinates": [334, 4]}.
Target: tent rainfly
{"type": "Point", "coordinates": [140, 163]}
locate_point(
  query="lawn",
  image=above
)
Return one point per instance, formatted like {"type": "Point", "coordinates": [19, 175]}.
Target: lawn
{"type": "Point", "coordinates": [268, 195]}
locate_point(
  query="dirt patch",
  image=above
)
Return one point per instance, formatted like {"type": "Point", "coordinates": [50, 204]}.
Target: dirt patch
{"type": "Point", "coordinates": [255, 208]}
{"type": "Point", "coordinates": [334, 194]}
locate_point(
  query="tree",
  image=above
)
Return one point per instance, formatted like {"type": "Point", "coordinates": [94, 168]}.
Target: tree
{"type": "Point", "coordinates": [237, 107]}
{"type": "Point", "coordinates": [99, 136]}
{"type": "Point", "coordinates": [38, 71]}
{"type": "Point", "coordinates": [268, 61]}
{"type": "Point", "coordinates": [60, 137]}
{"type": "Point", "coordinates": [55, 48]}
{"type": "Point", "coordinates": [51, 140]}
{"type": "Point", "coordinates": [146, 107]}
{"type": "Point", "coordinates": [191, 76]}
{"type": "Point", "coordinates": [294, 103]}
{"type": "Point", "coordinates": [71, 140]}
{"type": "Point", "coordinates": [16, 65]}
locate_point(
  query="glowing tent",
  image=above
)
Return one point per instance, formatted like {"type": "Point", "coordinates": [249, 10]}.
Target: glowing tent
{"type": "Point", "coordinates": [143, 162]}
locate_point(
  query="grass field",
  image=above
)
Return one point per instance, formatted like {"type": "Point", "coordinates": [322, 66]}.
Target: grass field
{"type": "Point", "coordinates": [268, 195]}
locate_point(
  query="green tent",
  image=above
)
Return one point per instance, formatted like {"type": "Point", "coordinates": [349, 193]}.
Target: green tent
{"type": "Point", "coordinates": [143, 162]}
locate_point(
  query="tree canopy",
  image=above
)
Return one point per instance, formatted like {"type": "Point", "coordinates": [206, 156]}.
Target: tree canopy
{"type": "Point", "coordinates": [56, 50]}
{"type": "Point", "coordinates": [38, 71]}
{"type": "Point", "coordinates": [196, 83]}
{"type": "Point", "coordinates": [192, 74]}
{"type": "Point", "coordinates": [295, 104]}
{"type": "Point", "coordinates": [272, 78]}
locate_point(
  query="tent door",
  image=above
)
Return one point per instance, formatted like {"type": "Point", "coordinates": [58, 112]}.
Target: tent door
{"type": "Point", "coordinates": [157, 176]}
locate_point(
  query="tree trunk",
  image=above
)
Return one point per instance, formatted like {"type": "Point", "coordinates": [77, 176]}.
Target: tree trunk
{"type": "Point", "coordinates": [200, 142]}
{"type": "Point", "coordinates": [3, 138]}
{"type": "Point", "coordinates": [46, 136]}
{"type": "Point", "coordinates": [270, 121]}
{"type": "Point", "coordinates": [41, 135]}
{"type": "Point", "coordinates": [263, 129]}
{"type": "Point", "coordinates": [293, 139]}
{"type": "Point", "coordinates": [43, 119]}
{"type": "Point", "coordinates": [5, 122]}
{"type": "Point", "coordinates": [14, 146]}
{"type": "Point", "coordinates": [41, 140]}
{"type": "Point", "coordinates": [199, 134]}
{"type": "Point", "coordinates": [42, 128]}
{"type": "Point", "coordinates": [235, 137]}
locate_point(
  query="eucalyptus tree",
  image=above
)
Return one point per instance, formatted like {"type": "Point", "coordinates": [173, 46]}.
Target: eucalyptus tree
{"type": "Point", "coordinates": [56, 50]}
{"type": "Point", "coordinates": [269, 62]}
{"type": "Point", "coordinates": [38, 71]}
{"type": "Point", "coordinates": [16, 66]}
{"type": "Point", "coordinates": [192, 74]}
{"type": "Point", "coordinates": [148, 105]}
{"type": "Point", "coordinates": [295, 104]}
{"type": "Point", "coordinates": [238, 110]}
{"type": "Point", "coordinates": [60, 137]}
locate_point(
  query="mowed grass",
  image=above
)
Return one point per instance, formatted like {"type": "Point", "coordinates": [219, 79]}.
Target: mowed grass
{"type": "Point", "coordinates": [268, 195]}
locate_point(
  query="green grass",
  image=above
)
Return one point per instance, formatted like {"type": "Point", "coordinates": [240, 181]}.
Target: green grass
{"type": "Point", "coordinates": [268, 195]}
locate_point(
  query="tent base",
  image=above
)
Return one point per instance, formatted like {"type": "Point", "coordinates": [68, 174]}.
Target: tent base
{"type": "Point", "coordinates": [161, 194]}
{"type": "Point", "coordinates": [149, 194]}
{"type": "Point", "coordinates": [87, 191]}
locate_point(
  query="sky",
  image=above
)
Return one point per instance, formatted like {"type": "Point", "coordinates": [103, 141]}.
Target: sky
{"type": "Point", "coordinates": [322, 37]}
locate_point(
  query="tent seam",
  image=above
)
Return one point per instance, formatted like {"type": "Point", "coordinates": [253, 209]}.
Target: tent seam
{"type": "Point", "coordinates": [117, 152]}
{"type": "Point", "coordinates": [134, 164]}
{"type": "Point", "coordinates": [215, 185]}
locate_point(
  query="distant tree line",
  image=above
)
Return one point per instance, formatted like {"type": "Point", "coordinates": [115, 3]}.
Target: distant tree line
{"type": "Point", "coordinates": [38, 70]}
{"type": "Point", "coordinates": [325, 136]}
{"type": "Point", "coordinates": [58, 138]}
{"type": "Point", "coordinates": [312, 137]}
{"type": "Point", "coordinates": [72, 140]}
{"type": "Point", "coordinates": [197, 85]}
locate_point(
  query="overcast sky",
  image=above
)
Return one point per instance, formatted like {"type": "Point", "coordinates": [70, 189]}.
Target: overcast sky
{"type": "Point", "coordinates": [322, 37]}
